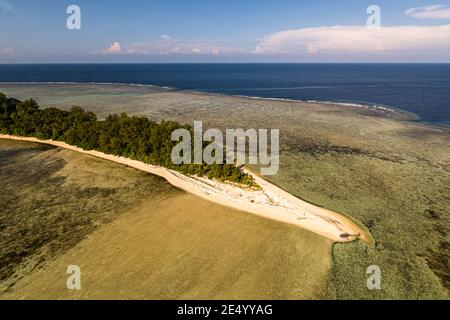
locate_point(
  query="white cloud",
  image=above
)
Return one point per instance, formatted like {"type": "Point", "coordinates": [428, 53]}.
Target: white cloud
{"type": "Point", "coordinates": [429, 12]}
{"type": "Point", "coordinates": [6, 6]}
{"type": "Point", "coordinates": [258, 50]}
{"type": "Point", "coordinates": [354, 39]}
{"type": "Point", "coordinates": [166, 45]}
{"type": "Point", "coordinates": [332, 43]}
{"type": "Point", "coordinates": [114, 48]}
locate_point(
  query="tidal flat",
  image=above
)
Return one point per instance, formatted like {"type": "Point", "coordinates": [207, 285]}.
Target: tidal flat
{"type": "Point", "coordinates": [387, 174]}
{"type": "Point", "coordinates": [134, 236]}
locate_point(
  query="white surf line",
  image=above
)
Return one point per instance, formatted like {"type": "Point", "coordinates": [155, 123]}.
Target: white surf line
{"type": "Point", "coordinates": [270, 202]}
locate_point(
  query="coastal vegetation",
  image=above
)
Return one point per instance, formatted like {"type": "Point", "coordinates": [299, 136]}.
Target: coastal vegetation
{"type": "Point", "coordinates": [391, 176]}
{"type": "Point", "coordinates": [136, 138]}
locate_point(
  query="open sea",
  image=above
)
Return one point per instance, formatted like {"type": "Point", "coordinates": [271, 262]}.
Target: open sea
{"type": "Point", "coordinates": [423, 89]}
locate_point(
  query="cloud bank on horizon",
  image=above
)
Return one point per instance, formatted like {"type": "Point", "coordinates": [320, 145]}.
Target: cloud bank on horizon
{"type": "Point", "coordinates": [355, 39]}
{"type": "Point", "coordinates": [326, 40]}
{"type": "Point", "coordinates": [425, 39]}
{"type": "Point", "coordinates": [166, 45]}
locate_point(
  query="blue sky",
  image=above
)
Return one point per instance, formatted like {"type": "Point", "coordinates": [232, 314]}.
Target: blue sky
{"type": "Point", "coordinates": [224, 31]}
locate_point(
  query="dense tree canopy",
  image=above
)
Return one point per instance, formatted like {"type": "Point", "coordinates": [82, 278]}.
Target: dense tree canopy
{"type": "Point", "coordinates": [133, 137]}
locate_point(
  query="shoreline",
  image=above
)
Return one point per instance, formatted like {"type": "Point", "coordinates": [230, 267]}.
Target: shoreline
{"type": "Point", "coordinates": [270, 202]}
{"type": "Point", "coordinates": [386, 111]}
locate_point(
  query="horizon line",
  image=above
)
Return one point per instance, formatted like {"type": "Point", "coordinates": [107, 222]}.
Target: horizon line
{"type": "Point", "coordinates": [192, 63]}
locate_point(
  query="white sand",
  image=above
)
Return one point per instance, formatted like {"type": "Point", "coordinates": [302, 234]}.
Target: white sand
{"type": "Point", "coordinates": [270, 202]}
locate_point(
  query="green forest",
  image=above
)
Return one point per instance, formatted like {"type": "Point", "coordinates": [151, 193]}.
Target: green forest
{"type": "Point", "coordinates": [136, 138]}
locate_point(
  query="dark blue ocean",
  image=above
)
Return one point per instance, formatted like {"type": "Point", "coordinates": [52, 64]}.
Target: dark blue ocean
{"type": "Point", "coordinates": [423, 89]}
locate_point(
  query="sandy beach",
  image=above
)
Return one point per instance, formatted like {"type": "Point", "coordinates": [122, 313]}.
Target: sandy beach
{"type": "Point", "coordinates": [270, 202]}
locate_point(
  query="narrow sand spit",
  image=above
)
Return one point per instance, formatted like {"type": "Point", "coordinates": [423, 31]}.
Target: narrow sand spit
{"type": "Point", "coordinates": [270, 202]}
